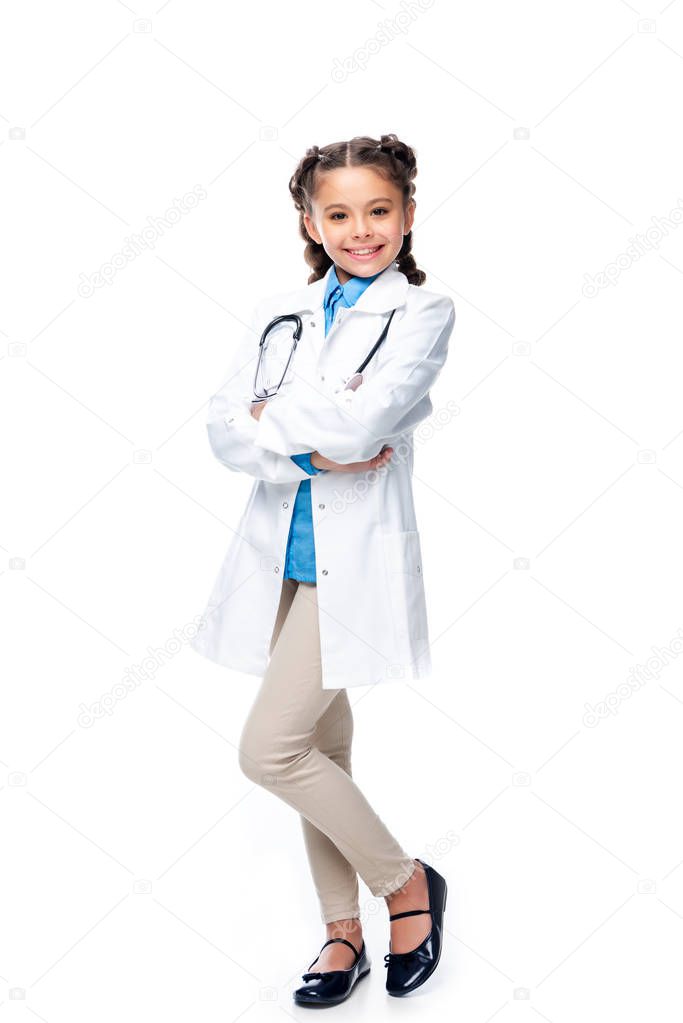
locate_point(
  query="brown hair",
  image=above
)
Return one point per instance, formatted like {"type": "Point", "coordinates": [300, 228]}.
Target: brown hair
{"type": "Point", "coordinates": [392, 158]}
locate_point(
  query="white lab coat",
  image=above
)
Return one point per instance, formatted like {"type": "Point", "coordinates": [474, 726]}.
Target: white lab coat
{"type": "Point", "coordinates": [369, 573]}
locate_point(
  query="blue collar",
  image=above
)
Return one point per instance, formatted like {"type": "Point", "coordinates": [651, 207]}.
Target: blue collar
{"type": "Point", "coordinates": [350, 292]}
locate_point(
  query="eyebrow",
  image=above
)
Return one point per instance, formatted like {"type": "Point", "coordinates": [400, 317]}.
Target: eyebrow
{"type": "Point", "coordinates": [380, 198]}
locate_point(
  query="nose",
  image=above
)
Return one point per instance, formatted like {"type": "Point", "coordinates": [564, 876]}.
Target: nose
{"type": "Point", "coordinates": [361, 230]}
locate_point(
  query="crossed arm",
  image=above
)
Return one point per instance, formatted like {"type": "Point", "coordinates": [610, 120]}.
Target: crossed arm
{"type": "Point", "coordinates": [322, 464]}
{"type": "Point", "coordinates": [339, 431]}
{"type": "Point", "coordinates": [351, 426]}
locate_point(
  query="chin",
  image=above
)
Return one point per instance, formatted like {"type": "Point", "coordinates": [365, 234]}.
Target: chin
{"type": "Point", "coordinates": [361, 269]}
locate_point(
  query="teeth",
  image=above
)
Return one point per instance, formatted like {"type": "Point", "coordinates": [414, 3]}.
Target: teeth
{"type": "Point", "coordinates": [363, 252]}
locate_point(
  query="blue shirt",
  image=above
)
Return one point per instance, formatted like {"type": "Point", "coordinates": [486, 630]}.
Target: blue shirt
{"type": "Point", "coordinates": [300, 557]}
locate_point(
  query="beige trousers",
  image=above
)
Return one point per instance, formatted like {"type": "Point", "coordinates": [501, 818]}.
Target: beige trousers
{"type": "Point", "coordinates": [296, 743]}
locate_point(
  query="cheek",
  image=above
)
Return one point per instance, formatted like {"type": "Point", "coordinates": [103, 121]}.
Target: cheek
{"type": "Point", "coordinates": [333, 232]}
{"type": "Point", "coordinates": [394, 230]}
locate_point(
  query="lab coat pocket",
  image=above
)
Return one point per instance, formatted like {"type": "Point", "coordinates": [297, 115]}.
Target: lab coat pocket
{"type": "Point", "coordinates": [403, 558]}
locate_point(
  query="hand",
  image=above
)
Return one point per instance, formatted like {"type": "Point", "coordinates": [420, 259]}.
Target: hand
{"type": "Point", "coordinates": [257, 408]}
{"type": "Point", "coordinates": [383, 458]}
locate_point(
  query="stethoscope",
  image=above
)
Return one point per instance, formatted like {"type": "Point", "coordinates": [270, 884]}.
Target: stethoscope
{"type": "Point", "coordinates": [353, 382]}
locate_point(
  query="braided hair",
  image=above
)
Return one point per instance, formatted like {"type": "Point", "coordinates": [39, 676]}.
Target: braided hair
{"type": "Point", "coordinates": [391, 156]}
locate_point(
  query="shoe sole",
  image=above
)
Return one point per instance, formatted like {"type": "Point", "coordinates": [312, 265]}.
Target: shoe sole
{"type": "Point", "coordinates": [316, 1004]}
{"type": "Point", "coordinates": [426, 976]}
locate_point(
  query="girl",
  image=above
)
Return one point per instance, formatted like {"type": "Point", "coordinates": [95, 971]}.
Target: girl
{"type": "Point", "coordinates": [323, 601]}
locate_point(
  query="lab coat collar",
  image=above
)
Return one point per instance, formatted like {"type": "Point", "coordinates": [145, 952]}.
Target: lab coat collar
{"type": "Point", "coordinates": [388, 290]}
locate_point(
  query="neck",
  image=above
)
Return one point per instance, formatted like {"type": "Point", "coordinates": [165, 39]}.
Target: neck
{"type": "Point", "coordinates": [343, 277]}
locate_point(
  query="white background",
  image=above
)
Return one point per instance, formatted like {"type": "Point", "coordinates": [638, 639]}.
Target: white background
{"type": "Point", "coordinates": [143, 876]}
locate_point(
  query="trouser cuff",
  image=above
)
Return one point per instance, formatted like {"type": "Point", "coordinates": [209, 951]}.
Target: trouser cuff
{"type": "Point", "coordinates": [329, 916]}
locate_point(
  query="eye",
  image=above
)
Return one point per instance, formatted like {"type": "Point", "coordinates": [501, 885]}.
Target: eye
{"type": "Point", "coordinates": [377, 209]}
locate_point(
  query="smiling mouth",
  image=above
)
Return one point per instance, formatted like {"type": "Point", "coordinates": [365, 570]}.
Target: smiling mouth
{"type": "Point", "coordinates": [366, 251]}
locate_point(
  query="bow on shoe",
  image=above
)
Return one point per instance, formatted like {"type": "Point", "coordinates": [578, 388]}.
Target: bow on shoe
{"type": "Point", "coordinates": [406, 957]}
{"type": "Point", "coordinates": [310, 976]}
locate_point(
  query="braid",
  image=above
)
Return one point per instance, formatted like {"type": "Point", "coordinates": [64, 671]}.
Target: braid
{"type": "Point", "coordinates": [392, 157]}
{"type": "Point", "coordinates": [406, 163]}
{"type": "Point", "coordinates": [406, 262]}
{"type": "Point", "coordinates": [301, 186]}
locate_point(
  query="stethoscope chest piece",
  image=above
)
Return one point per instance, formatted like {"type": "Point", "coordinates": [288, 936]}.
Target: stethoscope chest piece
{"type": "Point", "coordinates": [354, 382]}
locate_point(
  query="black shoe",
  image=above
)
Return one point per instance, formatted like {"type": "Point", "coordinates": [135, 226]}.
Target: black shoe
{"type": "Point", "coordinates": [407, 970]}
{"type": "Point", "coordinates": [333, 986]}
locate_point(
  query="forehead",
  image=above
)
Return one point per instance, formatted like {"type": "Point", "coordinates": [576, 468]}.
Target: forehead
{"type": "Point", "coordinates": [353, 186]}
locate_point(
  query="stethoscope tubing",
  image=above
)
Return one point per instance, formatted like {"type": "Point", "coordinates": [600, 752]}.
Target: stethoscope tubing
{"type": "Point", "coordinates": [298, 328]}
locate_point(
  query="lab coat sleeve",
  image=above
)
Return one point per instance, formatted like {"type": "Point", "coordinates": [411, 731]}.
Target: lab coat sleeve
{"type": "Point", "coordinates": [351, 426]}
{"type": "Point", "coordinates": [229, 423]}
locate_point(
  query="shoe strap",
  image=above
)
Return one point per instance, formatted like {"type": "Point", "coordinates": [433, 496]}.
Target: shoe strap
{"type": "Point", "coordinates": [408, 912]}
{"type": "Point", "coordinates": [344, 942]}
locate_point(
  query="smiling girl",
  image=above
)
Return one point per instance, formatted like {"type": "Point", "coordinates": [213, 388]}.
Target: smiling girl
{"type": "Point", "coordinates": [321, 592]}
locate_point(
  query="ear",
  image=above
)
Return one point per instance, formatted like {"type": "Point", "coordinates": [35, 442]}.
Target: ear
{"type": "Point", "coordinates": [409, 217]}
{"type": "Point", "coordinates": [311, 229]}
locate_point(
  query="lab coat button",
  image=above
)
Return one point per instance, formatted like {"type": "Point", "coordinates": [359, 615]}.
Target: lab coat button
{"type": "Point", "coordinates": [232, 419]}
{"type": "Point", "coordinates": [277, 568]}
{"type": "Point", "coordinates": [285, 504]}
{"type": "Point", "coordinates": [418, 568]}
{"type": "Point", "coordinates": [321, 506]}
{"type": "Point", "coordinates": [324, 571]}
{"type": "Point", "coordinates": [311, 324]}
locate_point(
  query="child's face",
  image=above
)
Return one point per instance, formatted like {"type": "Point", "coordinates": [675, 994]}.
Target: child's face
{"type": "Point", "coordinates": [357, 208]}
